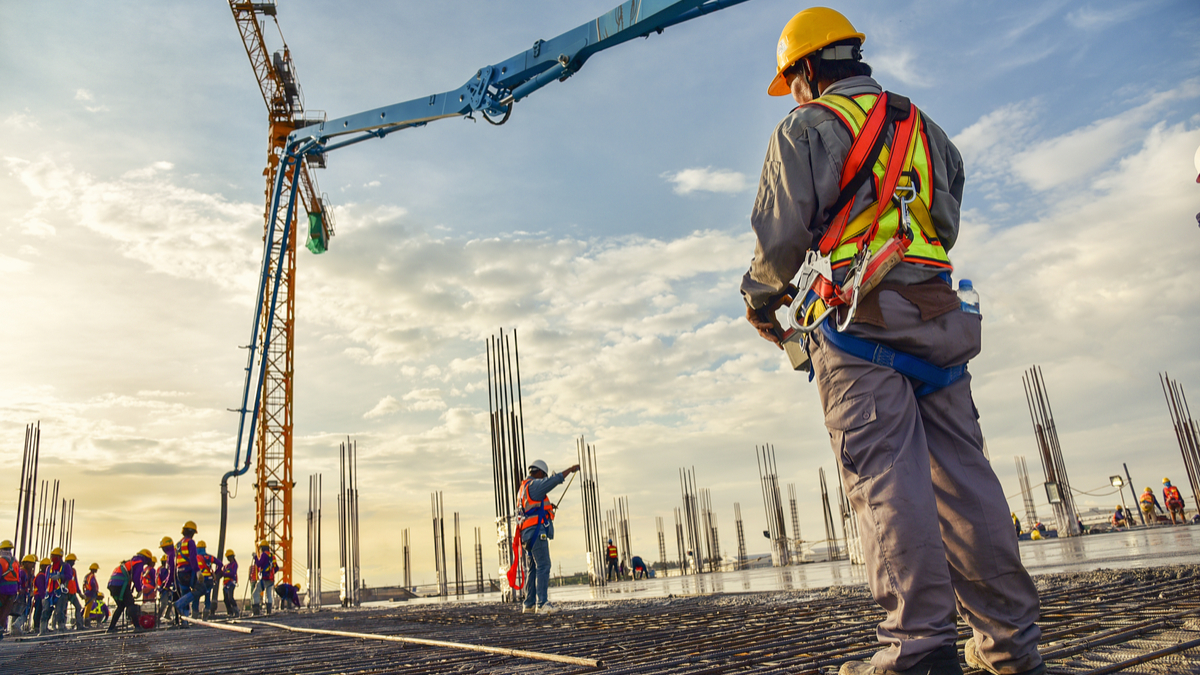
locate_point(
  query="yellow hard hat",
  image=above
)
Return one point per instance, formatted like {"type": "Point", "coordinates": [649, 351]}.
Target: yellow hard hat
{"type": "Point", "coordinates": [6, 544]}
{"type": "Point", "coordinates": [71, 556]}
{"type": "Point", "coordinates": [100, 594]}
{"type": "Point", "coordinates": [46, 561]}
{"type": "Point", "coordinates": [164, 559]}
{"type": "Point", "coordinates": [191, 525]}
{"type": "Point", "coordinates": [166, 541]}
{"type": "Point", "coordinates": [807, 32]}
{"type": "Point", "coordinates": [57, 551]}
{"type": "Point", "coordinates": [264, 544]}
{"type": "Point", "coordinates": [1165, 481]}
{"type": "Point", "coordinates": [1148, 490]}
{"type": "Point", "coordinates": [29, 558]}
{"type": "Point", "coordinates": [93, 567]}
{"type": "Point", "coordinates": [1035, 535]}
{"type": "Point", "coordinates": [145, 553]}
{"type": "Point", "coordinates": [201, 544]}
{"type": "Point", "coordinates": [229, 553]}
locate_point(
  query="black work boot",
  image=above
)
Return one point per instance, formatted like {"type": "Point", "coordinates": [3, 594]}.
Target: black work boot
{"type": "Point", "coordinates": [941, 661]}
{"type": "Point", "coordinates": [255, 609]}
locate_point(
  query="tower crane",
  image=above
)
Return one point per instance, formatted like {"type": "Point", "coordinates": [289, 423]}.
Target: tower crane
{"type": "Point", "coordinates": [285, 113]}
{"type": "Point", "coordinates": [492, 92]}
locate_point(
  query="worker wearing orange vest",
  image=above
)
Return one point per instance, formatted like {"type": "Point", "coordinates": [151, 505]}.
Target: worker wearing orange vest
{"type": "Point", "coordinates": [187, 572]}
{"type": "Point", "coordinates": [612, 562]}
{"type": "Point", "coordinates": [858, 201]}
{"type": "Point", "coordinates": [535, 531]}
{"type": "Point", "coordinates": [54, 590]}
{"type": "Point", "coordinates": [91, 591]}
{"type": "Point", "coordinates": [1149, 503]}
{"type": "Point", "coordinates": [69, 593]}
{"type": "Point", "coordinates": [1173, 500]}
{"type": "Point", "coordinates": [149, 582]}
{"type": "Point", "coordinates": [124, 584]}
{"type": "Point", "coordinates": [10, 583]}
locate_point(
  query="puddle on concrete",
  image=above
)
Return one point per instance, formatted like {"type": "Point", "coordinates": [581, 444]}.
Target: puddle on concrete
{"type": "Point", "coordinates": [1147, 547]}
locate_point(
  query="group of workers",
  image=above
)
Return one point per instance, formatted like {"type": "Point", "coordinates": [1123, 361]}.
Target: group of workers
{"type": "Point", "coordinates": [615, 568]}
{"type": "Point", "coordinates": [186, 574]}
{"type": "Point", "coordinates": [1148, 502]}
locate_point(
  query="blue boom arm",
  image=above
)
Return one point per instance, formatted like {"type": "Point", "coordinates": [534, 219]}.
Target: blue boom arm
{"type": "Point", "coordinates": [492, 91]}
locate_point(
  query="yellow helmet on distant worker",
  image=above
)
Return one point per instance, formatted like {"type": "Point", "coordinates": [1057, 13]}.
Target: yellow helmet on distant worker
{"type": "Point", "coordinates": [201, 544]}
{"type": "Point", "coordinates": [163, 559]}
{"type": "Point", "coordinates": [46, 561]}
{"type": "Point", "coordinates": [229, 553]}
{"type": "Point", "coordinates": [1147, 490]}
{"type": "Point", "coordinates": [191, 525]}
{"type": "Point", "coordinates": [1165, 481]}
{"type": "Point", "coordinates": [1035, 535]}
{"type": "Point", "coordinates": [29, 558]}
{"type": "Point", "coordinates": [56, 552]}
{"type": "Point", "coordinates": [6, 544]}
{"type": "Point", "coordinates": [264, 544]}
{"type": "Point", "coordinates": [145, 553]}
{"type": "Point", "coordinates": [93, 567]}
{"type": "Point", "coordinates": [71, 556]}
{"type": "Point", "coordinates": [808, 31]}
{"type": "Point", "coordinates": [166, 541]}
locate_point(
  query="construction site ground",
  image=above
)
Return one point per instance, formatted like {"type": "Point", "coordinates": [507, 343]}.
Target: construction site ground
{"type": "Point", "coordinates": [1136, 620]}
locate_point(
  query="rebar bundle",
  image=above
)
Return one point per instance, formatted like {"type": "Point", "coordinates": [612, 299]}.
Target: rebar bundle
{"type": "Point", "coordinates": [699, 536]}
{"type": "Point", "coordinates": [768, 477]}
{"type": "Point", "coordinates": [478, 561]}
{"type": "Point", "coordinates": [741, 534]}
{"type": "Point", "coordinates": [593, 530]}
{"type": "Point", "coordinates": [831, 538]}
{"type": "Point", "coordinates": [1031, 517]}
{"type": "Point", "coordinates": [1187, 433]}
{"type": "Point", "coordinates": [439, 544]}
{"type": "Point", "coordinates": [314, 542]}
{"type": "Point", "coordinates": [348, 549]}
{"type": "Point", "coordinates": [25, 536]}
{"type": "Point", "coordinates": [712, 538]}
{"type": "Point", "coordinates": [406, 554]}
{"type": "Point", "coordinates": [1058, 486]}
{"type": "Point", "coordinates": [508, 442]}
{"type": "Point", "coordinates": [798, 554]}
{"type": "Point", "coordinates": [620, 520]}
{"type": "Point", "coordinates": [459, 582]}
{"type": "Point", "coordinates": [681, 547]}
{"type": "Point", "coordinates": [662, 543]}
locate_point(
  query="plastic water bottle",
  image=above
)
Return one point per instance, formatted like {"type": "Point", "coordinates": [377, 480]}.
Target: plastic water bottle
{"type": "Point", "coordinates": [968, 297]}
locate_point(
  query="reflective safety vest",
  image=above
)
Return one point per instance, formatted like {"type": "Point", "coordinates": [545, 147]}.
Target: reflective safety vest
{"type": "Point", "coordinates": [53, 576]}
{"type": "Point", "coordinates": [1147, 500]}
{"type": "Point", "coordinates": [123, 573]}
{"type": "Point", "coordinates": [184, 552]}
{"type": "Point", "coordinates": [10, 572]}
{"type": "Point", "coordinates": [611, 553]}
{"type": "Point", "coordinates": [206, 563]}
{"type": "Point", "coordinates": [535, 513]}
{"type": "Point", "coordinates": [71, 580]}
{"type": "Point", "coordinates": [1171, 496]}
{"type": "Point", "coordinates": [97, 608]}
{"type": "Point", "coordinates": [878, 223]}
{"type": "Point", "coordinates": [90, 585]}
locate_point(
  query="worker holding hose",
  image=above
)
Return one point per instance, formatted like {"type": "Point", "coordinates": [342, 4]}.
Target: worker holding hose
{"type": "Point", "coordinates": [865, 234]}
{"type": "Point", "coordinates": [536, 530]}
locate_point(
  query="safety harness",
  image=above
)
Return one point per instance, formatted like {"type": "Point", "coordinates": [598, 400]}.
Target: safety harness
{"type": "Point", "coordinates": [879, 238]}
{"type": "Point", "coordinates": [535, 514]}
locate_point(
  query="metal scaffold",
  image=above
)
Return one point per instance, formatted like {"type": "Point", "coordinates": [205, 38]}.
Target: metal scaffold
{"type": "Point", "coordinates": [313, 562]}
{"type": "Point", "coordinates": [508, 446]}
{"type": "Point", "coordinates": [348, 549]}
{"type": "Point", "coordinates": [831, 538]}
{"type": "Point", "coordinates": [593, 529]}
{"type": "Point", "coordinates": [1058, 486]}
{"type": "Point", "coordinates": [768, 478]}
{"type": "Point", "coordinates": [1187, 432]}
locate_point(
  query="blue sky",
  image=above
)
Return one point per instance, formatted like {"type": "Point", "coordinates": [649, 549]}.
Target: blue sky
{"type": "Point", "coordinates": [607, 222]}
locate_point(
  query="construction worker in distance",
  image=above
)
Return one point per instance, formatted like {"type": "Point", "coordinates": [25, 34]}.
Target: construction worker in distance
{"type": "Point", "coordinates": [10, 583]}
{"type": "Point", "coordinates": [187, 573]}
{"type": "Point", "coordinates": [96, 610]}
{"type": "Point", "coordinates": [639, 567]}
{"type": "Point", "coordinates": [1174, 501]}
{"type": "Point", "coordinates": [149, 582]}
{"type": "Point", "coordinates": [25, 595]}
{"type": "Point", "coordinates": [1119, 520]}
{"type": "Point", "coordinates": [535, 531]}
{"type": "Point", "coordinates": [123, 586]}
{"type": "Point", "coordinates": [207, 580]}
{"type": "Point", "coordinates": [1148, 503]}
{"type": "Point", "coordinates": [289, 594]}
{"type": "Point", "coordinates": [90, 590]}
{"type": "Point", "coordinates": [265, 568]}
{"type": "Point", "coordinates": [170, 592]}
{"type": "Point", "coordinates": [904, 428]}
{"type": "Point", "coordinates": [229, 583]}
{"type": "Point", "coordinates": [1016, 523]}
{"type": "Point", "coordinates": [612, 562]}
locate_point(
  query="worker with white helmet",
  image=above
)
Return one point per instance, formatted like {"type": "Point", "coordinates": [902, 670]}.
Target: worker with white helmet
{"type": "Point", "coordinates": [536, 529]}
{"type": "Point", "coordinates": [865, 230]}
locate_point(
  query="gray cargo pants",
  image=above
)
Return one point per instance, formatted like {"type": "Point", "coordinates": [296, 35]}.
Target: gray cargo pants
{"type": "Point", "coordinates": [934, 522]}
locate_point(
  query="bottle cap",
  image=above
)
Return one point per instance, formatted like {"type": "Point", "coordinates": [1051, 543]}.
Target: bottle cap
{"type": "Point", "coordinates": [964, 283]}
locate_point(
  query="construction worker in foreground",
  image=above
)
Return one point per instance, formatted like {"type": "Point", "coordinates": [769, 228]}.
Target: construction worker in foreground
{"type": "Point", "coordinates": [612, 562]}
{"type": "Point", "coordinates": [893, 384]}
{"type": "Point", "coordinates": [1174, 501]}
{"type": "Point", "coordinates": [96, 610]}
{"type": "Point", "coordinates": [187, 572]}
{"type": "Point", "coordinates": [70, 593]}
{"type": "Point", "coordinates": [25, 594]}
{"type": "Point", "coordinates": [91, 591]}
{"type": "Point", "coordinates": [10, 582]}
{"type": "Point", "coordinates": [535, 531]}
{"type": "Point", "coordinates": [1148, 503]}
{"type": "Point", "coordinates": [40, 583]}
{"type": "Point", "coordinates": [123, 586]}
{"type": "Point", "coordinates": [264, 570]}
{"type": "Point", "coordinates": [229, 583]}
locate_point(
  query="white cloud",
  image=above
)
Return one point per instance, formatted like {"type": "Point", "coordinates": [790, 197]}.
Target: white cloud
{"type": "Point", "coordinates": [84, 95]}
{"type": "Point", "coordinates": [1093, 18]}
{"type": "Point", "coordinates": [387, 405]}
{"type": "Point", "coordinates": [425, 399]}
{"type": "Point", "coordinates": [21, 122]}
{"type": "Point", "coordinates": [707, 179]}
{"type": "Point", "coordinates": [903, 66]}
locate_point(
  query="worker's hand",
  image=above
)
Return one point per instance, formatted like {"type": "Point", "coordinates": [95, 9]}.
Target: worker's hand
{"type": "Point", "coordinates": [570, 470]}
{"type": "Point", "coordinates": [764, 321]}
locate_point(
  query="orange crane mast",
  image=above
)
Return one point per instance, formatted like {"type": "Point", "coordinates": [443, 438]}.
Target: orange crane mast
{"type": "Point", "coordinates": [285, 112]}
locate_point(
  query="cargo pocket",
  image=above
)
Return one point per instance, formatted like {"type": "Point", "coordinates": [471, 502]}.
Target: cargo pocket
{"type": "Point", "coordinates": [849, 423]}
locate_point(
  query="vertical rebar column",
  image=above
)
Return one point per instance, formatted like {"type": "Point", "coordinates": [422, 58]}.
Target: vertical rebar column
{"type": "Point", "coordinates": [682, 550]}
{"type": "Point", "coordinates": [478, 562]}
{"type": "Point", "coordinates": [695, 528]}
{"type": "Point", "coordinates": [348, 547]}
{"type": "Point", "coordinates": [831, 544]}
{"type": "Point", "coordinates": [458, 559]}
{"type": "Point", "coordinates": [593, 529]}
{"type": "Point", "coordinates": [741, 534]}
{"type": "Point", "coordinates": [1187, 432]}
{"type": "Point", "coordinates": [506, 414]}
{"type": "Point", "coordinates": [622, 508]}
{"type": "Point", "coordinates": [407, 554]}
{"type": "Point", "coordinates": [1031, 517]}
{"type": "Point", "coordinates": [1046, 433]}
{"type": "Point", "coordinates": [768, 475]}
{"type": "Point", "coordinates": [662, 543]}
{"type": "Point", "coordinates": [798, 556]}
{"type": "Point", "coordinates": [439, 544]}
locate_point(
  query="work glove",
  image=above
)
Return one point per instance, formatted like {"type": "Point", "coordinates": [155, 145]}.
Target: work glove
{"type": "Point", "coordinates": [764, 321]}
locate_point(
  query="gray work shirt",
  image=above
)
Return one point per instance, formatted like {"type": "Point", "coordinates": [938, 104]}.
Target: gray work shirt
{"type": "Point", "coordinates": [800, 180]}
{"type": "Point", "coordinates": [539, 489]}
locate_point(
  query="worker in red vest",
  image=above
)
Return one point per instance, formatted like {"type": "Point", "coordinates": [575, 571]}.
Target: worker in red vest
{"type": "Point", "coordinates": [123, 586]}
{"type": "Point", "coordinates": [149, 582]}
{"type": "Point", "coordinates": [210, 567]}
{"type": "Point", "coordinates": [1149, 503]}
{"type": "Point", "coordinates": [10, 583]}
{"type": "Point", "coordinates": [165, 582]}
{"type": "Point", "coordinates": [229, 583]}
{"type": "Point", "coordinates": [612, 562]}
{"type": "Point", "coordinates": [536, 529]}
{"type": "Point", "coordinates": [865, 235]}
{"type": "Point", "coordinates": [1174, 501]}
